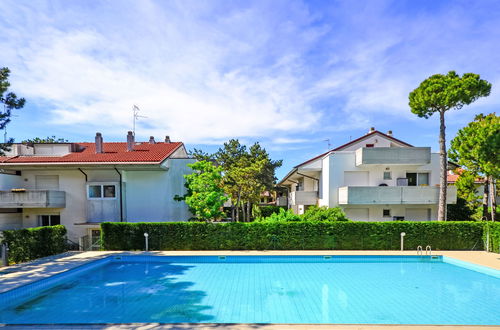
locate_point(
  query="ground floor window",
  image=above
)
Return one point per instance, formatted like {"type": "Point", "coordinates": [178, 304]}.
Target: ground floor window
{"type": "Point", "coordinates": [386, 213]}
{"type": "Point", "coordinates": [49, 220]}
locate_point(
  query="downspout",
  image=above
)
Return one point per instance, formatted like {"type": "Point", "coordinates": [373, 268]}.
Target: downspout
{"type": "Point", "coordinates": [86, 177]}
{"type": "Point", "coordinates": [121, 195]}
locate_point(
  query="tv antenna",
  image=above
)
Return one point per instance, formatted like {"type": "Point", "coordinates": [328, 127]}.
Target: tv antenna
{"type": "Point", "coordinates": [329, 144]}
{"type": "Point", "coordinates": [136, 116]}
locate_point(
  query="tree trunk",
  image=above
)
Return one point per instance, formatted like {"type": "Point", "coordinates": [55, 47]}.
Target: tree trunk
{"type": "Point", "coordinates": [249, 213]}
{"type": "Point", "coordinates": [486, 198]}
{"type": "Point", "coordinates": [443, 182]}
{"type": "Point", "coordinates": [238, 205]}
{"type": "Point", "coordinates": [493, 199]}
{"type": "Point", "coordinates": [233, 211]}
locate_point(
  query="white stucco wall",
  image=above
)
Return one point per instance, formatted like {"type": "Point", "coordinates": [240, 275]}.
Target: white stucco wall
{"type": "Point", "coordinates": [150, 194]}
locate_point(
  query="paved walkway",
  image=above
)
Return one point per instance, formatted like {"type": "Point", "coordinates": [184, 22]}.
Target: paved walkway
{"type": "Point", "coordinates": [22, 274]}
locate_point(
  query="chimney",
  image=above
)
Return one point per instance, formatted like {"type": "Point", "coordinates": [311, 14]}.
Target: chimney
{"type": "Point", "coordinates": [98, 143]}
{"type": "Point", "coordinates": [152, 140]}
{"type": "Point", "coordinates": [372, 129]}
{"type": "Point", "coordinates": [130, 141]}
{"type": "Point", "coordinates": [167, 139]}
{"type": "Point", "coordinates": [389, 133]}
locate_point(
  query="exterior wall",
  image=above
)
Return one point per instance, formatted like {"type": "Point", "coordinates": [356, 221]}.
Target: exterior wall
{"type": "Point", "coordinates": [150, 194]}
{"type": "Point", "coordinates": [375, 212]}
{"type": "Point", "coordinates": [147, 196]}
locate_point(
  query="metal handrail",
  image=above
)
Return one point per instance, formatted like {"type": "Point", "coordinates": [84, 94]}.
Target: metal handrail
{"type": "Point", "coordinates": [428, 248]}
{"type": "Point", "coordinates": [419, 250]}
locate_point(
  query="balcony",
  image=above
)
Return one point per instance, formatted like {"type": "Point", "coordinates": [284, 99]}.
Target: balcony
{"type": "Point", "coordinates": [303, 197]}
{"type": "Point", "coordinates": [281, 201]}
{"type": "Point", "coordinates": [33, 199]}
{"type": "Point", "coordinates": [393, 156]}
{"type": "Point", "coordinates": [393, 195]}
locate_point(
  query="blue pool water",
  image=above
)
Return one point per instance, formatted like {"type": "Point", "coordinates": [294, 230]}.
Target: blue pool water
{"type": "Point", "coordinates": [361, 289]}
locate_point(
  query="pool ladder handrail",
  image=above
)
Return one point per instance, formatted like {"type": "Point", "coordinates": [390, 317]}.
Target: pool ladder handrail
{"type": "Point", "coordinates": [419, 250]}
{"type": "Point", "coordinates": [428, 248]}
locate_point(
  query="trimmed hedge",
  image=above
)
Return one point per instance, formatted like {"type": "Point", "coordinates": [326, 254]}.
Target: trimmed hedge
{"type": "Point", "coordinates": [492, 230]}
{"type": "Point", "coordinates": [32, 243]}
{"type": "Point", "coordinates": [301, 235]}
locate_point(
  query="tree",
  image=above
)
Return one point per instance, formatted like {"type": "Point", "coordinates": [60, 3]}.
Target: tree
{"type": "Point", "coordinates": [246, 174]}
{"type": "Point", "coordinates": [205, 196]}
{"type": "Point", "coordinates": [48, 139]}
{"type": "Point", "coordinates": [438, 94]}
{"type": "Point", "coordinates": [10, 102]}
{"type": "Point", "coordinates": [476, 147]}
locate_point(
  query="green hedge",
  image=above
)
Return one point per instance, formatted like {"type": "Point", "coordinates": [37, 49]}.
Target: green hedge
{"type": "Point", "coordinates": [307, 235]}
{"type": "Point", "coordinates": [492, 231]}
{"type": "Point", "coordinates": [32, 243]}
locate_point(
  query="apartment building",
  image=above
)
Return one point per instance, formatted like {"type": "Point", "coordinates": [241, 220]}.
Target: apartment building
{"type": "Point", "coordinates": [375, 177]}
{"type": "Point", "coordinates": [81, 185]}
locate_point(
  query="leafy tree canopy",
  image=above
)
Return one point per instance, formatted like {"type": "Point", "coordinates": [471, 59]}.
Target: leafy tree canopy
{"type": "Point", "coordinates": [205, 196]}
{"type": "Point", "coordinates": [440, 93]}
{"type": "Point", "coordinates": [48, 139]}
{"type": "Point", "coordinates": [477, 146]}
{"type": "Point", "coordinates": [10, 101]}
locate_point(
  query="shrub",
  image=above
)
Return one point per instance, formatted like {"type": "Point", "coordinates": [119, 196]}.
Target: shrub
{"type": "Point", "coordinates": [323, 213]}
{"type": "Point", "coordinates": [492, 232]}
{"type": "Point", "coordinates": [32, 243]}
{"type": "Point", "coordinates": [293, 235]}
{"type": "Point", "coordinates": [266, 211]}
{"type": "Point", "coordinates": [282, 215]}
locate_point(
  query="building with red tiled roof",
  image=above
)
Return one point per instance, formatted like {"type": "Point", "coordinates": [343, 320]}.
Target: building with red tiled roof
{"type": "Point", "coordinates": [82, 184]}
{"type": "Point", "coordinates": [375, 177]}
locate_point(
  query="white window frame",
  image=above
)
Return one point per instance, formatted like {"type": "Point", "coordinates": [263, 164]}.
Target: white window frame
{"type": "Point", "coordinates": [390, 175]}
{"type": "Point", "coordinates": [102, 184]}
{"type": "Point", "coordinates": [40, 221]}
{"type": "Point", "coordinates": [418, 174]}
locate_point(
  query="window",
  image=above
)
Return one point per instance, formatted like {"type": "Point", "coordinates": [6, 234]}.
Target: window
{"type": "Point", "coordinates": [109, 191]}
{"type": "Point", "coordinates": [49, 220]}
{"type": "Point", "coordinates": [94, 191]}
{"type": "Point", "coordinates": [417, 179]}
{"type": "Point", "coordinates": [386, 213]}
{"type": "Point", "coordinates": [370, 145]}
{"type": "Point", "coordinates": [387, 175]}
{"type": "Point", "coordinates": [98, 191]}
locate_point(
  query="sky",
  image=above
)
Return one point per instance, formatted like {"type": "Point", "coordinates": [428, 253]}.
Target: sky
{"type": "Point", "coordinates": [294, 76]}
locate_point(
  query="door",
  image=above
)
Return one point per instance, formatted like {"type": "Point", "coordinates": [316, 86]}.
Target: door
{"type": "Point", "coordinates": [356, 178]}
{"type": "Point", "coordinates": [417, 214]}
{"type": "Point", "coordinates": [47, 182]}
{"type": "Point", "coordinates": [357, 214]}
{"type": "Point", "coordinates": [412, 179]}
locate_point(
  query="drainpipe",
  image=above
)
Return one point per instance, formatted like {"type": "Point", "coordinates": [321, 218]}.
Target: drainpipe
{"type": "Point", "coordinates": [86, 177]}
{"type": "Point", "coordinates": [121, 195]}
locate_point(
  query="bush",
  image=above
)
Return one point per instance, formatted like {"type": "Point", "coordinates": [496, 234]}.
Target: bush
{"type": "Point", "coordinates": [282, 215]}
{"type": "Point", "coordinates": [323, 213]}
{"type": "Point", "coordinates": [492, 232]}
{"type": "Point", "coordinates": [293, 235]}
{"type": "Point", "coordinates": [266, 211]}
{"type": "Point", "coordinates": [33, 243]}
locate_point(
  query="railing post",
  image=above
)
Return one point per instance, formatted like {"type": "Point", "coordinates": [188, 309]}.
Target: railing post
{"type": "Point", "coordinates": [403, 234]}
{"type": "Point", "coordinates": [5, 254]}
{"type": "Point", "coordinates": [146, 238]}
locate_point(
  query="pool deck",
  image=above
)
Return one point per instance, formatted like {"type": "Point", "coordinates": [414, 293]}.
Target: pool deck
{"type": "Point", "coordinates": [18, 275]}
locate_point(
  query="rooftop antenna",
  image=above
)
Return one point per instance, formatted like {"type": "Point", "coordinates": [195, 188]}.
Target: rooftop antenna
{"type": "Point", "coordinates": [136, 116]}
{"type": "Point", "coordinates": [329, 144]}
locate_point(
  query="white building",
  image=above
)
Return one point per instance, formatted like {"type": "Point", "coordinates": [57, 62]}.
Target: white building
{"type": "Point", "coordinates": [373, 178]}
{"type": "Point", "coordinates": [80, 185]}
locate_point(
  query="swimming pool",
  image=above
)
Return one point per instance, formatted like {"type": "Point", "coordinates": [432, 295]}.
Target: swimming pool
{"type": "Point", "coordinates": [262, 289]}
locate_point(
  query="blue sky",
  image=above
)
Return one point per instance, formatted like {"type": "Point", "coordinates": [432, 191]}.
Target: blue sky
{"type": "Point", "coordinates": [289, 74]}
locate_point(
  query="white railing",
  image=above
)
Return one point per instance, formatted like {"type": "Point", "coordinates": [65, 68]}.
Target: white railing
{"type": "Point", "coordinates": [394, 195]}
{"type": "Point", "coordinates": [393, 156]}
{"type": "Point", "coordinates": [32, 199]}
{"type": "Point", "coordinates": [303, 197]}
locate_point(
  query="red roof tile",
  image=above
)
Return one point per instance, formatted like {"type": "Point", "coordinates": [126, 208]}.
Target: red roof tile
{"type": "Point", "coordinates": [114, 152]}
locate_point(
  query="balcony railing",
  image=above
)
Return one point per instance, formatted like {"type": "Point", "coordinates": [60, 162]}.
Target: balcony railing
{"type": "Point", "coordinates": [393, 156]}
{"type": "Point", "coordinates": [33, 199]}
{"type": "Point", "coordinates": [303, 197]}
{"type": "Point", "coordinates": [394, 195]}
